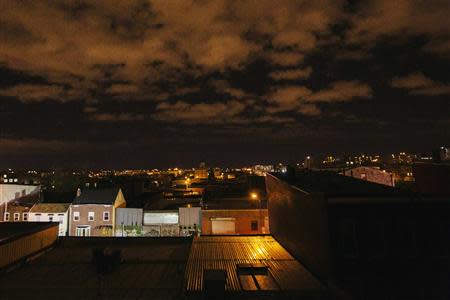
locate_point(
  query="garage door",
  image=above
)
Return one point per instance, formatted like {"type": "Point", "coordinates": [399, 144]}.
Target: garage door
{"type": "Point", "coordinates": [223, 226]}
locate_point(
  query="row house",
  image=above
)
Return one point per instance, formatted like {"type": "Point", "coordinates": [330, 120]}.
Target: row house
{"type": "Point", "coordinates": [51, 212]}
{"type": "Point", "coordinates": [16, 200]}
{"type": "Point", "coordinates": [93, 212]}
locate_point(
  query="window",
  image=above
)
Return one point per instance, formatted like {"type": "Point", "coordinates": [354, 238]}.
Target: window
{"type": "Point", "coordinates": [348, 244]}
{"type": "Point", "coordinates": [91, 215]}
{"type": "Point", "coordinates": [106, 216]}
{"type": "Point", "coordinates": [24, 193]}
{"type": "Point", "coordinates": [6, 217]}
{"type": "Point", "coordinates": [61, 218]}
{"type": "Point", "coordinates": [254, 225]}
{"type": "Point", "coordinates": [25, 216]}
{"type": "Point", "coordinates": [16, 217]}
{"type": "Point", "coordinates": [76, 216]}
{"type": "Point", "coordinates": [254, 277]}
{"type": "Point", "coordinates": [50, 217]}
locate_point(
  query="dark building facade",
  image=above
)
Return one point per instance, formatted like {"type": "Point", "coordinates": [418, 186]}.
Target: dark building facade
{"type": "Point", "coordinates": [432, 178]}
{"type": "Point", "coordinates": [368, 239]}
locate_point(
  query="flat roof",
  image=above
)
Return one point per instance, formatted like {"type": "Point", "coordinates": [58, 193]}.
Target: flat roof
{"type": "Point", "coordinates": [284, 273]}
{"type": "Point", "coordinates": [333, 184]}
{"type": "Point", "coordinates": [151, 268]}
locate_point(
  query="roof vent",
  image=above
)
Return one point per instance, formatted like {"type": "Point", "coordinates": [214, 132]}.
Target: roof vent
{"type": "Point", "coordinates": [214, 284]}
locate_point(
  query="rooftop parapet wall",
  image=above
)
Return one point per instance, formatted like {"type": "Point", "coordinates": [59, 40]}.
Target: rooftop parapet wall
{"type": "Point", "coordinates": [298, 221]}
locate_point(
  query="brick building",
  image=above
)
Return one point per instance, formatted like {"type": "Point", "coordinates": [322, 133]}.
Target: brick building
{"type": "Point", "coordinates": [373, 241]}
{"type": "Point", "coordinates": [92, 213]}
{"type": "Point", "coordinates": [16, 201]}
{"type": "Point", "coordinates": [374, 175]}
{"type": "Point", "coordinates": [235, 221]}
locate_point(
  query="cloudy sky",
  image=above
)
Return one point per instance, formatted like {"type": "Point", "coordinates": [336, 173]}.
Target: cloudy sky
{"type": "Point", "coordinates": [165, 83]}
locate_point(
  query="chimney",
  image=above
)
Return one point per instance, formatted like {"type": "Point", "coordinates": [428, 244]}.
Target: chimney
{"type": "Point", "coordinates": [78, 192]}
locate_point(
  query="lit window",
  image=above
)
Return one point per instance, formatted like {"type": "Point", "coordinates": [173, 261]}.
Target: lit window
{"type": "Point", "coordinates": [16, 217]}
{"type": "Point", "coordinates": [6, 217]}
{"type": "Point", "coordinates": [76, 215]}
{"type": "Point", "coordinates": [106, 216]}
{"type": "Point", "coordinates": [91, 215]}
{"type": "Point", "coordinates": [25, 216]}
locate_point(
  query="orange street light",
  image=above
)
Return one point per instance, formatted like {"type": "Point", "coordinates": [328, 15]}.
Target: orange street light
{"type": "Point", "coordinates": [254, 196]}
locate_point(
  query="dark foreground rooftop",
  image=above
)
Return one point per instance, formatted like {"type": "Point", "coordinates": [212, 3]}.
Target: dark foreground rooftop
{"type": "Point", "coordinates": [250, 267]}
{"type": "Point", "coordinates": [150, 268]}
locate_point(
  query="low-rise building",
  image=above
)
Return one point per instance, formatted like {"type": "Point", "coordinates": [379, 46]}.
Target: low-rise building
{"type": "Point", "coordinates": [16, 201]}
{"type": "Point", "coordinates": [92, 212]}
{"type": "Point", "coordinates": [129, 222]}
{"type": "Point", "coordinates": [190, 220]}
{"type": "Point", "coordinates": [51, 212]}
{"type": "Point", "coordinates": [371, 174]}
{"type": "Point", "coordinates": [161, 223]}
{"type": "Point", "coordinates": [235, 222]}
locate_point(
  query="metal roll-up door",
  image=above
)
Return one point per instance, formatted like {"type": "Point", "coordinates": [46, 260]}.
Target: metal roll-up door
{"type": "Point", "coordinates": [223, 226]}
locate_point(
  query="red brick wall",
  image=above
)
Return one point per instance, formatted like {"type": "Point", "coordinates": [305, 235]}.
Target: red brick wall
{"type": "Point", "coordinates": [243, 219]}
{"type": "Point", "coordinates": [98, 219]}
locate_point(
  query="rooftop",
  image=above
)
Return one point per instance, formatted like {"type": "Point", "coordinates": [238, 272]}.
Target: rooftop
{"type": "Point", "coordinates": [334, 184]}
{"type": "Point", "coordinates": [97, 196]}
{"type": "Point", "coordinates": [274, 268]}
{"type": "Point", "coordinates": [150, 268]}
{"type": "Point", "coordinates": [50, 208]}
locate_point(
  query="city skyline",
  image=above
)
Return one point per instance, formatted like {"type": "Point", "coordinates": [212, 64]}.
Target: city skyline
{"type": "Point", "coordinates": [149, 83]}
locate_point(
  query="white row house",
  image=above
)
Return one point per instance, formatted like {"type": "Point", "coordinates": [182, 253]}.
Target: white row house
{"type": "Point", "coordinates": [51, 212]}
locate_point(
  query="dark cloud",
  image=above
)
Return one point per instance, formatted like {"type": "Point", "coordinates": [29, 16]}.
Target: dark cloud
{"type": "Point", "coordinates": [219, 70]}
{"type": "Point", "coordinates": [419, 84]}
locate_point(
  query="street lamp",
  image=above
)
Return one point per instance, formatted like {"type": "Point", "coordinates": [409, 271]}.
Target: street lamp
{"type": "Point", "coordinates": [254, 196]}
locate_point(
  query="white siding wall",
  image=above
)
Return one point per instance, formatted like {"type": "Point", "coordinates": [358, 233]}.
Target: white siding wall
{"type": "Point", "coordinates": [45, 217]}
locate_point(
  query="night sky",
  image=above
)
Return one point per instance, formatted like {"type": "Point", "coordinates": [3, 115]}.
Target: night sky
{"type": "Point", "coordinates": [144, 84]}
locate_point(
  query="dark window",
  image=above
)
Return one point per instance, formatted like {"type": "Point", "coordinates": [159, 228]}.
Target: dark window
{"type": "Point", "coordinates": [254, 225]}
{"type": "Point", "coordinates": [253, 277]}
